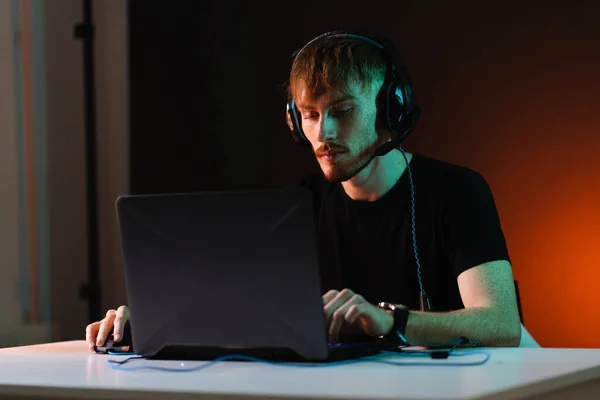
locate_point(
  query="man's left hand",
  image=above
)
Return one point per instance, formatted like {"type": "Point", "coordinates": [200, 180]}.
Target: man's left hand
{"type": "Point", "coordinates": [345, 308]}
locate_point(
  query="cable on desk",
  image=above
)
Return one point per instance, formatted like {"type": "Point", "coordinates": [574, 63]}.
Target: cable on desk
{"type": "Point", "coordinates": [119, 365]}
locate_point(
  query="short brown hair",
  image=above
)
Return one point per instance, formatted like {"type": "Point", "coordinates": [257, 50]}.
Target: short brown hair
{"type": "Point", "coordinates": [332, 62]}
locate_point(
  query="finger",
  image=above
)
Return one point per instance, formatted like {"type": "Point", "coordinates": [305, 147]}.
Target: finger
{"type": "Point", "coordinates": [336, 323]}
{"type": "Point", "coordinates": [121, 317]}
{"type": "Point", "coordinates": [339, 316]}
{"type": "Point", "coordinates": [91, 331]}
{"type": "Point", "coordinates": [354, 312]}
{"type": "Point", "coordinates": [327, 297]}
{"type": "Point", "coordinates": [105, 327]}
{"type": "Point", "coordinates": [336, 302]}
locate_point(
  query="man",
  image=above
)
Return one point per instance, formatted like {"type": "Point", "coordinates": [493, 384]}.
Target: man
{"type": "Point", "coordinates": [409, 247]}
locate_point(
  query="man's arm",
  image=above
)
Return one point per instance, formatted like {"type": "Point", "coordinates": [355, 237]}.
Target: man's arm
{"type": "Point", "coordinates": [491, 315]}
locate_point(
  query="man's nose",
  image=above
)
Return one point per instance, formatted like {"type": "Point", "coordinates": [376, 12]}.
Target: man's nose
{"type": "Point", "coordinates": [327, 129]}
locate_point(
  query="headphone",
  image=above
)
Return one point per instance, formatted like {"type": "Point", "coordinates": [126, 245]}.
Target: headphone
{"type": "Point", "coordinates": [396, 104]}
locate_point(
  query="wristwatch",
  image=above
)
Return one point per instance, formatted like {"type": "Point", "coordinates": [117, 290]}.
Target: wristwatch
{"type": "Point", "coordinates": [400, 314]}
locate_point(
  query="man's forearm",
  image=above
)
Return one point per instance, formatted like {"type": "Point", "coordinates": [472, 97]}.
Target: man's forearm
{"type": "Point", "coordinates": [488, 326]}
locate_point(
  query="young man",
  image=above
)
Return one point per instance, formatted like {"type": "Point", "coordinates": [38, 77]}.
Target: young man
{"type": "Point", "coordinates": [425, 240]}
{"type": "Point", "coordinates": [410, 247]}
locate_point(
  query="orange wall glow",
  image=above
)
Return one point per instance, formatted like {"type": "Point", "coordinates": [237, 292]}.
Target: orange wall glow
{"type": "Point", "coordinates": [516, 96]}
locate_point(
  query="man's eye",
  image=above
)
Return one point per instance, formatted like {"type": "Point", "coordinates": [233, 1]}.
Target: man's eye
{"type": "Point", "coordinates": [310, 116]}
{"type": "Point", "coordinates": [343, 111]}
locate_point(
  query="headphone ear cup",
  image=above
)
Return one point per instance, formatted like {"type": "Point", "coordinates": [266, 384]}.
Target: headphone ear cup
{"type": "Point", "coordinates": [293, 119]}
{"type": "Point", "coordinates": [396, 106]}
{"type": "Point", "coordinates": [412, 111]}
{"type": "Point", "coordinates": [403, 111]}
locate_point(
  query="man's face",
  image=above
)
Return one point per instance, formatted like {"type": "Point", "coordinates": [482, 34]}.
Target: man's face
{"type": "Point", "coordinates": [341, 128]}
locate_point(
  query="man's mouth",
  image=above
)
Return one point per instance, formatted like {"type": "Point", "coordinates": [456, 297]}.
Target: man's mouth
{"type": "Point", "coordinates": [331, 152]}
{"type": "Point", "coordinates": [331, 155]}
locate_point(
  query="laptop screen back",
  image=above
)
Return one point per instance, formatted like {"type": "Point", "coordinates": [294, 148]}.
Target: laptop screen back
{"type": "Point", "coordinates": [233, 269]}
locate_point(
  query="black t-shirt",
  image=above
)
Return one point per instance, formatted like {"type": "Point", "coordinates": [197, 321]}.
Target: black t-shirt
{"type": "Point", "coordinates": [368, 246]}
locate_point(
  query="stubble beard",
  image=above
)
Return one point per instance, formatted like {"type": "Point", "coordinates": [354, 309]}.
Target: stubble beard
{"type": "Point", "coordinates": [341, 171]}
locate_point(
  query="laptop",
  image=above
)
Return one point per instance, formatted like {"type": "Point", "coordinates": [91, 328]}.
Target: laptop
{"type": "Point", "coordinates": [234, 272]}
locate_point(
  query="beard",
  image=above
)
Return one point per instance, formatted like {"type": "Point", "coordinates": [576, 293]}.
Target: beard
{"type": "Point", "coordinates": [340, 171]}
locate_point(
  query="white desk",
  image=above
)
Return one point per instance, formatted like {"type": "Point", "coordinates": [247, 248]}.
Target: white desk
{"type": "Point", "coordinates": [68, 370]}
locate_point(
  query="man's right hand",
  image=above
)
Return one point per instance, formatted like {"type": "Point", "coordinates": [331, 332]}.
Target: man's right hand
{"type": "Point", "coordinates": [96, 333]}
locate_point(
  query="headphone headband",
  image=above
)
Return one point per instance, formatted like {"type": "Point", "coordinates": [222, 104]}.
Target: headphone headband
{"type": "Point", "coordinates": [387, 48]}
{"type": "Point", "coordinates": [344, 33]}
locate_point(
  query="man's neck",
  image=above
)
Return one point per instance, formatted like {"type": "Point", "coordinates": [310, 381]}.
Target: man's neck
{"type": "Point", "coordinates": [377, 178]}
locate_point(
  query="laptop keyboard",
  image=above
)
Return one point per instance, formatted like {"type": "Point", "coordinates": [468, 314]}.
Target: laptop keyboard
{"type": "Point", "coordinates": [339, 345]}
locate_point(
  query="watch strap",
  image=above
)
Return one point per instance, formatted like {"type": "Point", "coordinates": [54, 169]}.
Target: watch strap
{"type": "Point", "coordinates": [400, 321]}
{"type": "Point", "coordinates": [400, 316]}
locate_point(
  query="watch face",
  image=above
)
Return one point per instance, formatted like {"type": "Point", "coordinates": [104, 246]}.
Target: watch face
{"type": "Point", "coordinates": [386, 306]}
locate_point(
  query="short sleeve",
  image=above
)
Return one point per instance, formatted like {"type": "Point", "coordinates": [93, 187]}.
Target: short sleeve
{"type": "Point", "coordinates": [472, 231]}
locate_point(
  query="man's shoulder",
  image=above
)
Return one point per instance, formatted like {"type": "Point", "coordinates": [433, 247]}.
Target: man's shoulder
{"type": "Point", "coordinates": [455, 186]}
{"type": "Point", "coordinates": [446, 173]}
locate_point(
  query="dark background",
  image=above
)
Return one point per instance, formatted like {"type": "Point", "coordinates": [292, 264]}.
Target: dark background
{"type": "Point", "coordinates": [509, 88]}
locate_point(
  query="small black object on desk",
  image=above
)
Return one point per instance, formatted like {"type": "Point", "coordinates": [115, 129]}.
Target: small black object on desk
{"type": "Point", "coordinates": [125, 345]}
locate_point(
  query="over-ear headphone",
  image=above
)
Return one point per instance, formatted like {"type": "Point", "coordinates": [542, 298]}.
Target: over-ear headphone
{"type": "Point", "coordinates": [396, 104]}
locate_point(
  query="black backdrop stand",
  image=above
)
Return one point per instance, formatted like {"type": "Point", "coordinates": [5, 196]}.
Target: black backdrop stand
{"type": "Point", "coordinates": [90, 290]}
